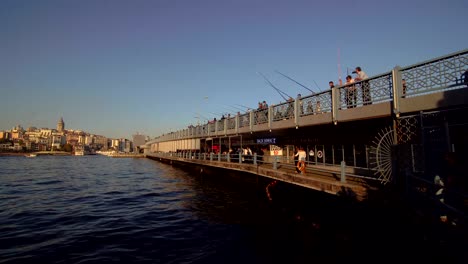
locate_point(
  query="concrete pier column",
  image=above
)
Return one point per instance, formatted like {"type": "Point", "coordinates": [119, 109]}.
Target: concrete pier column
{"type": "Point", "coordinates": [343, 173]}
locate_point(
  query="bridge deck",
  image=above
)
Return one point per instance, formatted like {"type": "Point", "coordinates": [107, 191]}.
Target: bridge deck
{"type": "Point", "coordinates": [316, 179]}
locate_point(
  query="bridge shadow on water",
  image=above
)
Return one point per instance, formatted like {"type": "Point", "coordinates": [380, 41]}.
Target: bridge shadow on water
{"type": "Point", "coordinates": [292, 224]}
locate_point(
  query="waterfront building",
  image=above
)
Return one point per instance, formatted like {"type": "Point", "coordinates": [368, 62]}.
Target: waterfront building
{"type": "Point", "coordinates": [5, 135]}
{"type": "Point", "coordinates": [57, 140]}
{"type": "Point", "coordinates": [17, 132]}
{"type": "Point", "coordinates": [100, 142]}
{"type": "Point", "coordinates": [46, 132]}
{"type": "Point", "coordinates": [6, 146]}
{"type": "Point", "coordinates": [88, 139]}
{"type": "Point", "coordinates": [115, 144]}
{"type": "Point", "coordinates": [138, 141]}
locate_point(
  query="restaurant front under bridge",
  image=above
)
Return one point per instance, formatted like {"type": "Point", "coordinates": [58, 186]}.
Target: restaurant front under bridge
{"type": "Point", "coordinates": [326, 146]}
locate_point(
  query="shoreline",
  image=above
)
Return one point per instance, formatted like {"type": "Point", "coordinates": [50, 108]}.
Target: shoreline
{"type": "Point", "coordinates": [18, 154]}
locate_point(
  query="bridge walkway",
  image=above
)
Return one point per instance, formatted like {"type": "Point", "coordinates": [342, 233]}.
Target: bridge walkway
{"type": "Point", "coordinates": [315, 178]}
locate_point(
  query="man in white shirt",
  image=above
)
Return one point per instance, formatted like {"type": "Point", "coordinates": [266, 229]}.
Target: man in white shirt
{"type": "Point", "coordinates": [365, 85]}
{"type": "Point", "coordinates": [301, 154]}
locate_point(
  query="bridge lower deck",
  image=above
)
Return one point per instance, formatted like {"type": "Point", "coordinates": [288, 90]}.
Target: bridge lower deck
{"type": "Point", "coordinates": [328, 181]}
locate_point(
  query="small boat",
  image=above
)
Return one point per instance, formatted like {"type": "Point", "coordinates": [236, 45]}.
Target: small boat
{"type": "Point", "coordinates": [31, 155]}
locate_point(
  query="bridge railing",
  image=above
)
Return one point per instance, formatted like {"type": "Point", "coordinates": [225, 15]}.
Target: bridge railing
{"type": "Point", "coordinates": [315, 104]}
{"type": "Point", "coordinates": [244, 120]}
{"type": "Point", "coordinates": [260, 116]}
{"type": "Point", "coordinates": [373, 90]}
{"type": "Point", "coordinates": [439, 74]}
{"type": "Point", "coordinates": [231, 123]}
{"type": "Point", "coordinates": [220, 124]}
{"type": "Point", "coordinates": [283, 111]}
{"type": "Point", "coordinates": [285, 163]}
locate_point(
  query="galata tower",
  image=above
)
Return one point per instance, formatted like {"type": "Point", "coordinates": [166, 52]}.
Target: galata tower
{"type": "Point", "coordinates": [60, 125]}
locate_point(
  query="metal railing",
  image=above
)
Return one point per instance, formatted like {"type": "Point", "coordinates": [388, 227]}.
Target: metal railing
{"type": "Point", "coordinates": [287, 163]}
{"type": "Point", "coordinates": [439, 74]}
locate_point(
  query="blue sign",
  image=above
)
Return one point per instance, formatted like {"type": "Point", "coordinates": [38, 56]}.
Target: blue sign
{"type": "Point", "coordinates": [266, 140]}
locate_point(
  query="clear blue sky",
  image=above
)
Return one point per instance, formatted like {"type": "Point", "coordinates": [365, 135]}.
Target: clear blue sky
{"type": "Point", "coordinates": [115, 68]}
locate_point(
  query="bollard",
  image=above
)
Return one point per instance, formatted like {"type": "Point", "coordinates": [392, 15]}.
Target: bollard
{"type": "Point", "coordinates": [255, 159]}
{"type": "Point", "coordinates": [211, 156]}
{"type": "Point", "coordinates": [343, 174]}
{"type": "Point", "coordinates": [275, 163]}
{"type": "Point", "coordinates": [229, 157]}
{"type": "Point", "coordinates": [240, 157]}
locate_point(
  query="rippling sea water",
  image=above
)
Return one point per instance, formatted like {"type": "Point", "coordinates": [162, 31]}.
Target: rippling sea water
{"type": "Point", "coordinates": [95, 209]}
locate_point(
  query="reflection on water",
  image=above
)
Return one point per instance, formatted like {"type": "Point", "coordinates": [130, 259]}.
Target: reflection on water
{"type": "Point", "coordinates": [95, 209]}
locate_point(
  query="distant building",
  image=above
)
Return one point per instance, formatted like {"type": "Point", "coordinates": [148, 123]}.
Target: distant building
{"type": "Point", "coordinates": [17, 132]}
{"type": "Point", "coordinates": [5, 135]}
{"type": "Point", "coordinates": [60, 125]}
{"type": "Point", "coordinates": [115, 144]}
{"type": "Point", "coordinates": [128, 146]}
{"type": "Point", "coordinates": [138, 140]}
{"type": "Point", "coordinates": [6, 146]}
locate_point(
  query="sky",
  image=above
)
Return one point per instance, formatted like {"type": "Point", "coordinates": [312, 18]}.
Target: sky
{"type": "Point", "coordinates": [117, 68]}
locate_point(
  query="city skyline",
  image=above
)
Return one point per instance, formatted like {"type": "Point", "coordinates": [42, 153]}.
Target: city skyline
{"type": "Point", "coordinates": [61, 127]}
{"type": "Point", "coordinates": [121, 67]}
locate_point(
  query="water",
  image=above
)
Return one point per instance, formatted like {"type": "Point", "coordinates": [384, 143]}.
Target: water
{"type": "Point", "coordinates": [96, 209]}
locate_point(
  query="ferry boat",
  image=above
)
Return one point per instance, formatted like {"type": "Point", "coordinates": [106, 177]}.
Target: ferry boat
{"type": "Point", "coordinates": [30, 155]}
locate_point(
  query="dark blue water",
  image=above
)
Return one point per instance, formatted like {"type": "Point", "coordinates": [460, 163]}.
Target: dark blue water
{"type": "Point", "coordinates": [96, 209]}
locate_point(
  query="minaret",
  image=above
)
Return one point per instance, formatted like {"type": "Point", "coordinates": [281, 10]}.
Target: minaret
{"type": "Point", "coordinates": [60, 125]}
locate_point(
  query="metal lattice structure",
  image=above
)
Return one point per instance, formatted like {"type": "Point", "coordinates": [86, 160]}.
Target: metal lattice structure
{"type": "Point", "coordinates": [408, 129]}
{"type": "Point", "coordinates": [316, 103]}
{"type": "Point", "coordinates": [260, 116]}
{"type": "Point", "coordinates": [380, 88]}
{"type": "Point", "coordinates": [381, 155]}
{"type": "Point", "coordinates": [443, 73]}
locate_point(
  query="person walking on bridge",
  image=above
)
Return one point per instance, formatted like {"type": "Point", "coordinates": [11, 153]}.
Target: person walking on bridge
{"type": "Point", "coordinates": [301, 154]}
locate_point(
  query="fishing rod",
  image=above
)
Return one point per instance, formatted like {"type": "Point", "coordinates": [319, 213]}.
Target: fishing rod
{"type": "Point", "coordinates": [201, 116]}
{"type": "Point", "coordinates": [284, 75]}
{"type": "Point", "coordinates": [216, 114]}
{"type": "Point", "coordinates": [317, 86]}
{"type": "Point", "coordinates": [246, 107]}
{"type": "Point", "coordinates": [237, 108]}
{"type": "Point", "coordinates": [278, 90]}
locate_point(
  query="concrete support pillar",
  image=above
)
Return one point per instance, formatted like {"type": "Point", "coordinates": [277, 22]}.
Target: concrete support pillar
{"type": "Point", "coordinates": [343, 171]}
